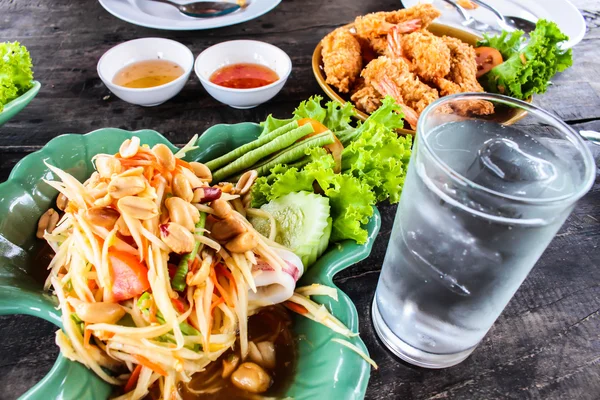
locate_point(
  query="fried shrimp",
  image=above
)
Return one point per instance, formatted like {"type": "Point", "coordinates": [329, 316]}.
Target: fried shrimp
{"type": "Point", "coordinates": [366, 97]}
{"type": "Point", "coordinates": [375, 26]}
{"type": "Point", "coordinates": [462, 76]}
{"type": "Point", "coordinates": [341, 59]}
{"type": "Point", "coordinates": [428, 56]}
{"type": "Point", "coordinates": [393, 77]}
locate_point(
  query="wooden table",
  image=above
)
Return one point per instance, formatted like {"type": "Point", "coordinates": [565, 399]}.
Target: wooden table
{"type": "Point", "coordinates": [546, 344]}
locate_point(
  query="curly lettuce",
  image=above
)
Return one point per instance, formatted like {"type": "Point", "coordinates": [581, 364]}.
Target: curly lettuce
{"type": "Point", "coordinates": [374, 164]}
{"type": "Point", "coordinates": [527, 67]}
{"type": "Point", "coordinates": [16, 75]}
{"type": "Point", "coordinates": [335, 116]}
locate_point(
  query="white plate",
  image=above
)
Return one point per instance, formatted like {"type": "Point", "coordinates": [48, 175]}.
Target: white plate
{"type": "Point", "coordinates": [152, 14]}
{"type": "Point", "coordinates": [563, 12]}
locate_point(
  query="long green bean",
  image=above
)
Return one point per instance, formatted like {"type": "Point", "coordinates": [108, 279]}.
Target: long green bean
{"type": "Point", "coordinates": [252, 157]}
{"type": "Point", "coordinates": [295, 152]}
{"type": "Point", "coordinates": [178, 281]}
{"type": "Point", "coordinates": [238, 152]}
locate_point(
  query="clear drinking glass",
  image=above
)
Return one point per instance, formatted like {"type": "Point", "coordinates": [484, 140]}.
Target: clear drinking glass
{"type": "Point", "coordinates": [481, 202]}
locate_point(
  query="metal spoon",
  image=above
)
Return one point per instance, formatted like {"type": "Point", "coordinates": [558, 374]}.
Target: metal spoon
{"type": "Point", "coordinates": [592, 136]}
{"type": "Point", "coordinates": [506, 22]}
{"type": "Point", "coordinates": [203, 9]}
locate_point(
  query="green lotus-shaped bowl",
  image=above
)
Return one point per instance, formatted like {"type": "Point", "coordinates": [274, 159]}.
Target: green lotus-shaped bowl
{"type": "Point", "coordinates": [12, 108]}
{"type": "Point", "coordinates": [325, 369]}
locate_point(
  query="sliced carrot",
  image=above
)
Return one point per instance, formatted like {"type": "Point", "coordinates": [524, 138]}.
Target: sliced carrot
{"type": "Point", "coordinates": [133, 378]}
{"type": "Point", "coordinates": [216, 304]}
{"type": "Point", "coordinates": [222, 291]}
{"type": "Point", "coordinates": [87, 336]}
{"type": "Point", "coordinates": [225, 272]}
{"type": "Point", "coordinates": [297, 308]}
{"type": "Point", "coordinates": [149, 364]}
{"type": "Point", "coordinates": [182, 163]}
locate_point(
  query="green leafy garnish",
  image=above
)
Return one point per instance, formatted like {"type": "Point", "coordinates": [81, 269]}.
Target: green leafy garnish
{"type": "Point", "coordinates": [527, 68]}
{"type": "Point", "coordinates": [16, 73]}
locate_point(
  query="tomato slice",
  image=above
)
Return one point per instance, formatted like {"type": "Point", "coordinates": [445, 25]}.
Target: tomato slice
{"type": "Point", "coordinates": [129, 275]}
{"type": "Point", "coordinates": [487, 58]}
{"type": "Point", "coordinates": [335, 148]}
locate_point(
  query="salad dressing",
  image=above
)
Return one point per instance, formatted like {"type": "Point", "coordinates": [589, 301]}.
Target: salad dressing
{"type": "Point", "coordinates": [244, 76]}
{"type": "Point", "coordinates": [148, 73]}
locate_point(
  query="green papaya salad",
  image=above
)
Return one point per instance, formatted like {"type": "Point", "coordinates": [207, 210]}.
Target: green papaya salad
{"type": "Point", "coordinates": [320, 173]}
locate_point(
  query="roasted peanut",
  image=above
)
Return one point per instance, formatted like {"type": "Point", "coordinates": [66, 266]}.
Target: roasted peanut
{"type": "Point", "coordinates": [130, 147]}
{"type": "Point", "coordinates": [201, 171]}
{"type": "Point", "coordinates": [107, 166]}
{"type": "Point", "coordinates": [47, 223]}
{"type": "Point", "coordinates": [251, 377]}
{"type": "Point", "coordinates": [179, 239]}
{"type": "Point", "coordinates": [62, 201]}
{"type": "Point", "coordinates": [122, 227]}
{"type": "Point", "coordinates": [92, 180]}
{"type": "Point", "coordinates": [120, 187]}
{"type": "Point", "coordinates": [245, 182]}
{"type": "Point", "coordinates": [192, 179]}
{"type": "Point", "coordinates": [182, 188]}
{"type": "Point", "coordinates": [182, 212]}
{"type": "Point", "coordinates": [230, 363]}
{"type": "Point", "coordinates": [226, 187]}
{"type": "Point", "coordinates": [103, 201]}
{"type": "Point", "coordinates": [226, 229]}
{"type": "Point", "coordinates": [206, 194]}
{"type": "Point", "coordinates": [164, 156]}
{"type": "Point", "coordinates": [221, 208]}
{"type": "Point", "coordinates": [242, 243]}
{"type": "Point", "coordinates": [102, 216]}
{"type": "Point", "coordinates": [137, 207]}
{"type": "Point", "coordinates": [137, 171]}
{"type": "Point", "coordinates": [99, 190]}
{"type": "Point", "coordinates": [97, 313]}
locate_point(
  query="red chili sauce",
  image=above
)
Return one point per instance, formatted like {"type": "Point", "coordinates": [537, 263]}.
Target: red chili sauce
{"type": "Point", "coordinates": [244, 76]}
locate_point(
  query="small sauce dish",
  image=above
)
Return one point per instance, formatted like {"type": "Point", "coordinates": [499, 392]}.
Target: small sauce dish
{"type": "Point", "coordinates": [242, 52]}
{"type": "Point", "coordinates": [146, 49]}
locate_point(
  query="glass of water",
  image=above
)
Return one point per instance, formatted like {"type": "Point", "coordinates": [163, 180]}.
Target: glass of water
{"type": "Point", "coordinates": [481, 202]}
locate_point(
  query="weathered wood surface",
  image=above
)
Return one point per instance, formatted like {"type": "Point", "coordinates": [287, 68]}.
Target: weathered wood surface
{"type": "Point", "coordinates": [546, 345]}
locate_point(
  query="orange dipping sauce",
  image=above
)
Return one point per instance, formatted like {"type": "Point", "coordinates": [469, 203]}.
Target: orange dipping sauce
{"type": "Point", "coordinates": [244, 76]}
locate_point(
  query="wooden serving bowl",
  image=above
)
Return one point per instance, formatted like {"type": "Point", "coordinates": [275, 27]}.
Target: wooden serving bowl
{"type": "Point", "coordinates": [504, 116]}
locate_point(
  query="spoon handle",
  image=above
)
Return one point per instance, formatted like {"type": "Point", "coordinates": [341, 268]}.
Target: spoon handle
{"type": "Point", "coordinates": [461, 11]}
{"type": "Point", "coordinates": [492, 9]}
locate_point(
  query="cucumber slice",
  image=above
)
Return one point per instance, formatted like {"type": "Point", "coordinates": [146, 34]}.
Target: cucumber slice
{"type": "Point", "coordinates": [303, 224]}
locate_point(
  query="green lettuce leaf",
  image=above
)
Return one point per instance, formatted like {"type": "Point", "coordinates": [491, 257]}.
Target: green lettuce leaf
{"type": "Point", "coordinates": [334, 116]}
{"type": "Point", "coordinates": [379, 157]}
{"type": "Point", "coordinates": [16, 73]}
{"type": "Point", "coordinates": [527, 68]}
{"type": "Point", "coordinates": [389, 114]}
{"type": "Point", "coordinates": [351, 200]}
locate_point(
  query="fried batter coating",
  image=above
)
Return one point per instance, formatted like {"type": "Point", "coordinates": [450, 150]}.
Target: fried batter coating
{"type": "Point", "coordinates": [375, 26]}
{"type": "Point", "coordinates": [393, 77]}
{"type": "Point", "coordinates": [365, 97]}
{"type": "Point", "coordinates": [427, 54]}
{"type": "Point", "coordinates": [342, 59]}
{"type": "Point", "coordinates": [463, 76]}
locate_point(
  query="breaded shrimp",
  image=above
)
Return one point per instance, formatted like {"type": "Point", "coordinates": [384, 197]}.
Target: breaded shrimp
{"type": "Point", "coordinates": [393, 77]}
{"type": "Point", "coordinates": [342, 59]}
{"type": "Point", "coordinates": [463, 77]}
{"type": "Point", "coordinates": [427, 54]}
{"type": "Point", "coordinates": [365, 97]}
{"type": "Point", "coordinates": [375, 26]}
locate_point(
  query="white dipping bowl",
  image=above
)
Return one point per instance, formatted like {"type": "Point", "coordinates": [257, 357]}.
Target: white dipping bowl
{"type": "Point", "coordinates": [242, 51]}
{"type": "Point", "coordinates": [142, 50]}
